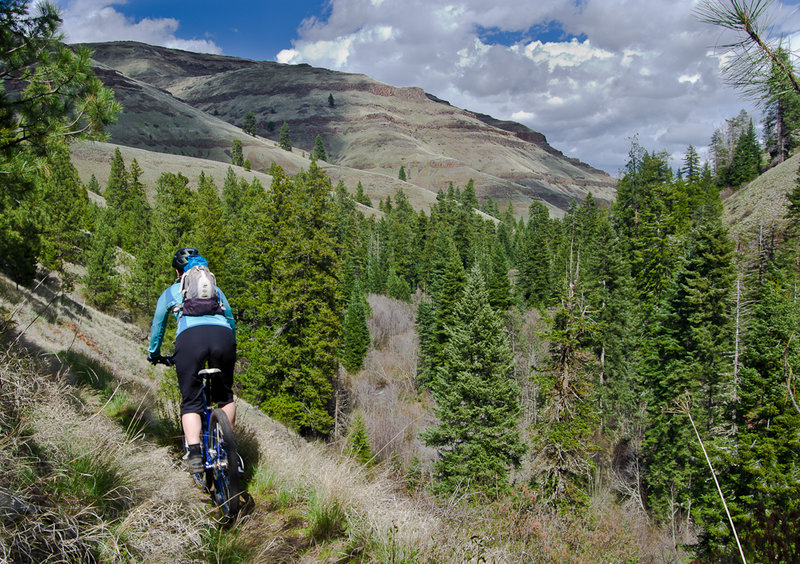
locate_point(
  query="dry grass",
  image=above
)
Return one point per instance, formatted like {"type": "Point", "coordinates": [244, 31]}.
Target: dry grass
{"type": "Point", "coordinates": [89, 489]}
{"type": "Point", "coordinates": [761, 204]}
{"type": "Point", "coordinates": [309, 501]}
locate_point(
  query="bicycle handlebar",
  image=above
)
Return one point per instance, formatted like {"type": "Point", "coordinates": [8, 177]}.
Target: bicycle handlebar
{"type": "Point", "coordinates": [166, 360]}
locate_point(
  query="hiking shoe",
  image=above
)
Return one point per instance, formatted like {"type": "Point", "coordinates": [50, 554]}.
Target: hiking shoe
{"type": "Point", "coordinates": [194, 463]}
{"type": "Point", "coordinates": [194, 460]}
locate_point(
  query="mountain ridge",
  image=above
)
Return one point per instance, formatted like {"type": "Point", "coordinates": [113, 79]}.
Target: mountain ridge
{"type": "Point", "coordinates": [370, 127]}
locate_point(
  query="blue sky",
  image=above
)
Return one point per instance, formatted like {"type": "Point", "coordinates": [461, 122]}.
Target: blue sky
{"type": "Point", "coordinates": [254, 30]}
{"type": "Point", "coordinates": [588, 74]}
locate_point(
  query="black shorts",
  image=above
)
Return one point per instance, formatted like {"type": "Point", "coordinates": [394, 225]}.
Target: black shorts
{"type": "Point", "coordinates": [193, 348]}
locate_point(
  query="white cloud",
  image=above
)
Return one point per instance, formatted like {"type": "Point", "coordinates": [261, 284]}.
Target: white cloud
{"type": "Point", "coordinates": [564, 53]}
{"type": "Point", "coordinates": [87, 21]}
{"type": "Point", "coordinates": [624, 67]}
{"type": "Point", "coordinates": [522, 115]}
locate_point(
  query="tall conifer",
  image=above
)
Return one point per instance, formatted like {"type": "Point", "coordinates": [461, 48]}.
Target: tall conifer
{"type": "Point", "coordinates": [477, 399]}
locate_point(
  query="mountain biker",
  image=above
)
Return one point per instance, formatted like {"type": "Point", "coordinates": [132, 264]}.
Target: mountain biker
{"type": "Point", "coordinates": [199, 338]}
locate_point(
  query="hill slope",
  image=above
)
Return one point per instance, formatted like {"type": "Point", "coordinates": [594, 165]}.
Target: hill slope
{"type": "Point", "coordinates": [761, 204]}
{"type": "Point", "coordinates": [192, 104]}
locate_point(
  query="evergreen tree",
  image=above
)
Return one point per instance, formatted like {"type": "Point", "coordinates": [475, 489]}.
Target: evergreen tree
{"type": "Point", "coordinates": [535, 284]}
{"type": "Point", "coordinates": [56, 98]}
{"type": "Point", "coordinates": [361, 197]}
{"type": "Point", "coordinates": [237, 158]}
{"type": "Point", "coordinates": [209, 230]}
{"type": "Point", "coordinates": [135, 216]}
{"type": "Point", "coordinates": [746, 163]}
{"type": "Point", "coordinates": [446, 285]}
{"type": "Point", "coordinates": [477, 400]}
{"type": "Point", "coordinates": [172, 217]}
{"type": "Point", "coordinates": [761, 474]}
{"type": "Point", "coordinates": [498, 286]}
{"type": "Point", "coordinates": [331, 102]}
{"type": "Point", "coordinates": [65, 203]}
{"type": "Point", "coordinates": [101, 280]}
{"type": "Point", "coordinates": [355, 333]}
{"type": "Point", "coordinates": [293, 302]}
{"type": "Point", "coordinates": [468, 197]}
{"type": "Point", "coordinates": [285, 138]}
{"type": "Point", "coordinates": [116, 191]}
{"type": "Point", "coordinates": [249, 124]}
{"type": "Point", "coordinates": [359, 441]}
{"type": "Point", "coordinates": [397, 287]}
{"type": "Point", "coordinates": [319, 154]}
{"type": "Point", "coordinates": [562, 436]}
{"type": "Point", "coordinates": [781, 110]}
{"type": "Point", "coordinates": [402, 174]}
{"type": "Point", "coordinates": [690, 360]}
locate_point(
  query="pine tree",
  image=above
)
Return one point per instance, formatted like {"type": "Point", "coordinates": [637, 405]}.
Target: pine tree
{"type": "Point", "coordinates": [293, 302]}
{"type": "Point", "coordinates": [237, 157]}
{"type": "Point", "coordinates": [57, 98]}
{"type": "Point", "coordinates": [285, 138]}
{"type": "Point", "coordinates": [331, 102]}
{"type": "Point", "coordinates": [249, 124]}
{"type": "Point", "coordinates": [446, 285]}
{"type": "Point", "coordinates": [746, 163]}
{"type": "Point", "coordinates": [535, 284]}
{"type": "Point", "coordinates": [561, 439]}
{"type": "Point", "coordinates": [319, 154]}
{"type": "Point", "coordinates": [477, 400]}
{"type": "Point", "coordinates": [135, 216]}
{"type": "Point", "coordinates": [355, 333]}
{"type": "Point", "coordinates": [172, 217]}
{"type": "Point", "coordinates": [359, 441]}
{"type": "Point", "coordinates": [402, 174]}
{"type": "Point", "coordinates": [757, 468]}
{"type": "Point", "coordinates": [361, 197]}
{"type": "Point", "coordinates": [690, 360]}
{"type": "Point", "coordinates": [782, 110]}
{"type": "Point", "coordinates": [65, 203]}
{"type": "Point", "coordinates": [101, 280]}
{"type": "Point", "coordinates": [498, 285]}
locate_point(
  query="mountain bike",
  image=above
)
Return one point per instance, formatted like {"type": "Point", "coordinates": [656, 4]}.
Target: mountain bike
{"type": "Point", "coordinates": [223, 465]}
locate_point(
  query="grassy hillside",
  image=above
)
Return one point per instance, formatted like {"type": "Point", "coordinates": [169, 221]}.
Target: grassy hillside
{"type": "Point", "coordinates": [90, 448]}
{"type": "Point", "coordinates": [761, 204]}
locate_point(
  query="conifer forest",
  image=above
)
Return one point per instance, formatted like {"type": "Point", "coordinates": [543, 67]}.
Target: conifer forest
{"type": "Point", "coordinates": [636, 347]}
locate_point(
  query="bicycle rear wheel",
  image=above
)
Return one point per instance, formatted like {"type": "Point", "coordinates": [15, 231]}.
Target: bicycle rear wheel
{"type": "Point", "coordinates": [225, 465]}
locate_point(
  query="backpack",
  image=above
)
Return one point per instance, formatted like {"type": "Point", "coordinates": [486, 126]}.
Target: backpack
{"type": "Point", "coordinates": [199, 289]}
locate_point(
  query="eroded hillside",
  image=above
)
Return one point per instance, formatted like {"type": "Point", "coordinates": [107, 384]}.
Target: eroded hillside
{"type": "Point", "coordinates": [177, 102]}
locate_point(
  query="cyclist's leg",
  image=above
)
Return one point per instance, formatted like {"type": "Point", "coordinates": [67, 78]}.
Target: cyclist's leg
{"type": "Point", "coordinates": [190, 356]}
{"type": "Point", "coordinates": [222, 355]}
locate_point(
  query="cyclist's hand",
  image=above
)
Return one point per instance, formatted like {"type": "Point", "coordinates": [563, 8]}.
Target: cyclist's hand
{"type": "Point", "coordinates": [168, 360]}
{"type": "Point", "coordinates": [153, 358]}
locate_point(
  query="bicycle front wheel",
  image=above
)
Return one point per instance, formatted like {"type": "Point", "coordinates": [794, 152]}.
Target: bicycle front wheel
{"type": "Point", "coordinates": [224, 462]}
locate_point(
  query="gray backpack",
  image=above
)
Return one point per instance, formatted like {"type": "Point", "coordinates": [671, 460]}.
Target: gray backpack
{"type": "Point", "coordinates": [199, 289]}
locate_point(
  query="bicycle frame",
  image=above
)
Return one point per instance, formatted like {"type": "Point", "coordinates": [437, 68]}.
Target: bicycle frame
{"type": "Point", "coordinates": [222, 463]}
{"type": "Point", "coordinates": [219, 451]}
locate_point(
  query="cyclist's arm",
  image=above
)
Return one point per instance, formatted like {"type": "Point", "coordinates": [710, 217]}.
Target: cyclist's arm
{"type": "Point", "coordinates": [159, 325]}
{"type": "Point", "coordinates": [228, 312]}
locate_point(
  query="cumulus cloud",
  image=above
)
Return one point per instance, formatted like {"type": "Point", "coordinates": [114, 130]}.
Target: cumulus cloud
{"type": "Point", "coordinates": [619, 68]}
{"type": "Point", "coordinates": [86, 21]}
{"type": "Point", "coordinates": [589, 74]}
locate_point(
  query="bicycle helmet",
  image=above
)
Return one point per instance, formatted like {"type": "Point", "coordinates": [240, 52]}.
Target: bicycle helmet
{"type": "Point", "coordinates": [182, 257]}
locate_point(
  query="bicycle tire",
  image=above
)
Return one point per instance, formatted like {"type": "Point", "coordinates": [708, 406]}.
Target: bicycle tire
{"type": "Point", "coordinates": [225, 465]}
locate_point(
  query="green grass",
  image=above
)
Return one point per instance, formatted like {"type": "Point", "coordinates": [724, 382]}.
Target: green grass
{"type": "Point", "coordinates": [223, 546]}
{"type": "Point", "coordinates": [95, 478]}
{"type": "Point", "coordinates": [326, 518]}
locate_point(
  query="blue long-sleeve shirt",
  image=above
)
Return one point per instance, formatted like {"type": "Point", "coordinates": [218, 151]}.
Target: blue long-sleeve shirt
{"type": "Point", "coordinates": [167, 302]}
